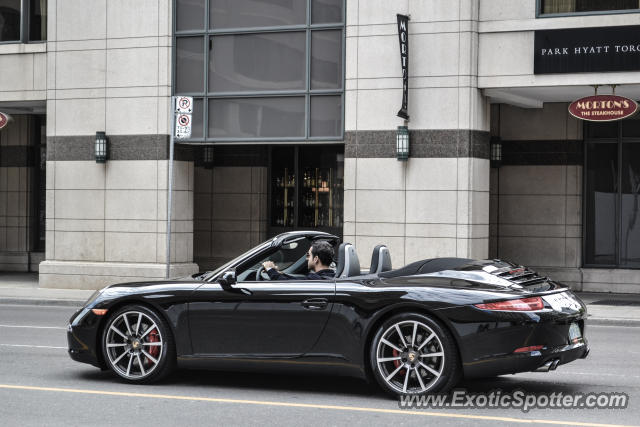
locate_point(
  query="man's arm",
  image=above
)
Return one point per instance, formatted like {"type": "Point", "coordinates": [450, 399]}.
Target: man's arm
{"type": "Point", "coordinates": [276, 275]}
{"type": "Point", "coordinates": [321, 275]}
{"type": "Point", "coordinates": [272, 271]}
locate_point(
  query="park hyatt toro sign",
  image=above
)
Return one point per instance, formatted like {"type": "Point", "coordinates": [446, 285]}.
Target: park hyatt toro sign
{"type": "Point", "coordinates": [585, 50]}
{"type": "Point", "coordinates": [603, 108]}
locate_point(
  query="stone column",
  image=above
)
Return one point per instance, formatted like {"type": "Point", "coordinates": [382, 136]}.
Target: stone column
{"type": "Point", "coordinates": [109, 68]}
{"type": "Point", "coordinates": [436, 203]}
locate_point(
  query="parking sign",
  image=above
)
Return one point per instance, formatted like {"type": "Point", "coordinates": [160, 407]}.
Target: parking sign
{"type": "Point", "coordinates": [184, 104]}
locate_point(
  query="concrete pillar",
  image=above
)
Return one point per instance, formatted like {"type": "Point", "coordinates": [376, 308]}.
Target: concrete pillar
{"type": "Point", "coordinates": [436, 203]}
{"type": "Point", "coordinates": [109, 68]}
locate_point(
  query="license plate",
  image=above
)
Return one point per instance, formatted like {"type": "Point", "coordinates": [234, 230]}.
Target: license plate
{"type": "Point", "coordinates": [574, 332]}
{"type": "Point", "coordinates": [562, 302]}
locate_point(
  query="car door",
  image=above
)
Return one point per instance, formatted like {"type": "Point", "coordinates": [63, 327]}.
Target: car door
{"type": "Point", "coordinates": [260, 318]}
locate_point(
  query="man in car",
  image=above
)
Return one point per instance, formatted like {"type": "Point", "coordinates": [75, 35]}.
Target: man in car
{"type": "Point", "coordinates": [319, 258]}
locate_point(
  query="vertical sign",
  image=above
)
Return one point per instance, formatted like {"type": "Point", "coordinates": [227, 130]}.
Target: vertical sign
{"type": "Point", "coordinates": [403, 36]}
{"type": "Point", "coordinates": [184, 108]}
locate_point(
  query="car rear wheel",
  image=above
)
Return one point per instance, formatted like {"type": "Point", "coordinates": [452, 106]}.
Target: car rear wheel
{"type": "Point", "coordinates": [138, 345]}
{"type": "Point", "coordinates": [413, 354]}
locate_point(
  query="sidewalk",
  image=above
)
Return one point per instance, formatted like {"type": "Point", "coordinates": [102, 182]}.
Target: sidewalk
{"type": "Point", "coordinates": [22, 288]}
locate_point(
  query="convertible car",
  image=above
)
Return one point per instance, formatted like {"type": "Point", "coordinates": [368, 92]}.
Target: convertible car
{"type": "Point", "coordinates": [417, 329]}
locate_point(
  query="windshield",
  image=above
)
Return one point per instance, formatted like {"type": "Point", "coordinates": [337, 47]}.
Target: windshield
{"type": "Point", "coordinates": [210, 274]}
{"type": "Point", "coordinates": [289, 258]}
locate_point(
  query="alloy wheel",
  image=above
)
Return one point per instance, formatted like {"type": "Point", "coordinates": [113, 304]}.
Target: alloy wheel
{"type": "Point", "coordinates": [410, 357]}
{"type": "Point", "coordinates": [133, 343]}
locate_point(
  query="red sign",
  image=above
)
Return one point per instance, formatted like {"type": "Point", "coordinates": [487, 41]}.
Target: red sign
{"type": "Point", "coordinates": [4, 119]}
{"type": "Point", "coordinates": [603, 108]}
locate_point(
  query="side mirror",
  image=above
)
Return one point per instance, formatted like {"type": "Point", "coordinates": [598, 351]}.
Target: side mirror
{"type": "Point", "coordinates": [227, 279]}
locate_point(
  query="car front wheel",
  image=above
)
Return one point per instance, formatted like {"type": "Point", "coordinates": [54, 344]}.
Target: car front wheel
{"type": "Point", "coordinates": [413, 354]}
{"type": "Point", "coordinates": [138, 345]}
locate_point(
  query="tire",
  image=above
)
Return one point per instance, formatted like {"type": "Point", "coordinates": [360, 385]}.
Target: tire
{"type": "Point", "coordinates": [399, 362]}
{"type": "Point", "coordinates": [137, 345]}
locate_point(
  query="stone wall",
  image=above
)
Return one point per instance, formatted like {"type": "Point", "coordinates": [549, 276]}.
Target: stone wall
{"type": "Point", "coordinates": [536, 196]}
{"type": "Point", "coordinates": [230, 212]}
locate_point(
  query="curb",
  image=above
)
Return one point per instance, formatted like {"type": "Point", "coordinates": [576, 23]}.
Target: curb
{"type": "Point", "coordinates": [50, 302]}
{"type": "Point", "coordinates": [603, 321]}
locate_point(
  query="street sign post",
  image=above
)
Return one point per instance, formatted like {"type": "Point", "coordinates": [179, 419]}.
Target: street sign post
{"type": "Point", "coordinates": [181, 110]}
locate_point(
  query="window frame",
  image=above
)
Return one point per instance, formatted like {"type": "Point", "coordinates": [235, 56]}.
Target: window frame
{"type": "Point", "coordinates": [25, 25]}
{"type": "Point", "coordinates": [539, 13]}
{"type": "Point", "coordinates": [307, 92]}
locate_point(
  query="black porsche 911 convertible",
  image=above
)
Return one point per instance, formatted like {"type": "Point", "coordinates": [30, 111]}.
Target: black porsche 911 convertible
{"type": "Point", "coordinates": [416, 329]}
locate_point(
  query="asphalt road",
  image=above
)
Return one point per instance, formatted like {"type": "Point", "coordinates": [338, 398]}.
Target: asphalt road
{"type": "Point", "coordinates": [41, 385]}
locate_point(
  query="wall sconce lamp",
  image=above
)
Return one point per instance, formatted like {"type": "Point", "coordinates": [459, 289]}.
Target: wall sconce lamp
{"type": "Point", "coordinates": [207, 156]}
{"type": "Point", "coordinates": [402, 143]}
{"type": "Point", "coordinates": [101, 147]}
{"type": "Point", "coordinates": [496, 152]}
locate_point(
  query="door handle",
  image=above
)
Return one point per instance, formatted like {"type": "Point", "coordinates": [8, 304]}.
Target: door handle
{"type": "Point", "coordinates": [315, 303]}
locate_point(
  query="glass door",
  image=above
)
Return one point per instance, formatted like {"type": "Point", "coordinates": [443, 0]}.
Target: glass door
{"type": "Point", "coordinates": [307, 188]}
{"type": "Point", "coordinates": [283, 188]}
{"type": "Point", "coordinates": [612, 195]}
{"type": "Point", "coordinates": [321, 190]}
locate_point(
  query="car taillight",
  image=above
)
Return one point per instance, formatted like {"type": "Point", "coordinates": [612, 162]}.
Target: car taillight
{"type": "Point", "coordinates": [528, 349]}
{"type": "Point", "coordinates": [522, 304]}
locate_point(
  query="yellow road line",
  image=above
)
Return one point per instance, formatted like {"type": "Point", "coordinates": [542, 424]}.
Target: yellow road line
{"type": "Point", "coordinates": [308, 405]}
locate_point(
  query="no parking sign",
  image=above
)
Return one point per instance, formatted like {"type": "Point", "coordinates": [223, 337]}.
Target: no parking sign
{"type": "Point", "coordinates": [184, 104]}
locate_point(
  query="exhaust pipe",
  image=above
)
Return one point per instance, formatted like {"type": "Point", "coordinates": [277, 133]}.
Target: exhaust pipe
{"type": "Point", "coordinates": [549, 365]}
{"type": "Point", "coordinates": [545, 367]}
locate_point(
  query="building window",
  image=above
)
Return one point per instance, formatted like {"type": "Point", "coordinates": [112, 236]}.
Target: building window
{"type": "Point", "coordinates": [586, 6]}
{"type": "Point", "coordinates": [612, 195]}
{"type": "Point", "coordinates": [262, 69]}
{"type": "Point", "coordinates": [23, 21]}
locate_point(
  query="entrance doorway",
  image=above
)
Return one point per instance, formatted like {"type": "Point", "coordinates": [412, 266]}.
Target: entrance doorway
{"type": "Point", "coordinates": [22, 192]}
{"type": "Point", "coordinates": [612, 194]}
{"type": "Point", "coordinates": [245, 194]}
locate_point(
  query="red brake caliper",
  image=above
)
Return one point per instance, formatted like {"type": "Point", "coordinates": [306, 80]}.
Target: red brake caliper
{"type": "Point", "coordinates": [398, 362]}
{"type": "Point", "coordinates": [153, 350]}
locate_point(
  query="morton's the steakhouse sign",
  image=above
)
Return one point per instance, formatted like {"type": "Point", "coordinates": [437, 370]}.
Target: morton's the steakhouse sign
{"type": "Point", "coordinates": [4, 119]}
{"type": "Point", "coordinates": [603, 108]}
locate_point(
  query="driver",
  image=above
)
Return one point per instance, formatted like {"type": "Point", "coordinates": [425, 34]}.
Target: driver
{"type": "Point", "coordinates": [319, 257]}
